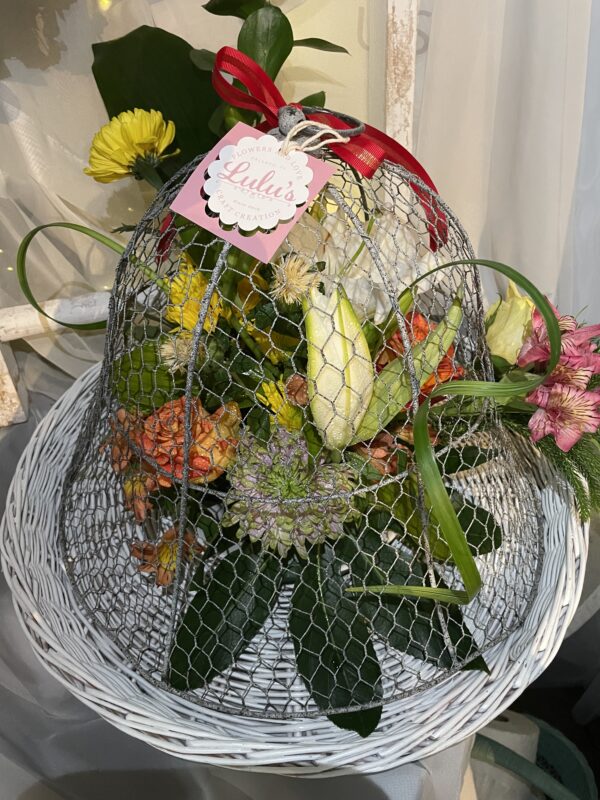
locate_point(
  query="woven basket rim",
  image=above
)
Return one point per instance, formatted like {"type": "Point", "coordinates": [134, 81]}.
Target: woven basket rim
{"type": "Point", "coordinates": [87, 663]}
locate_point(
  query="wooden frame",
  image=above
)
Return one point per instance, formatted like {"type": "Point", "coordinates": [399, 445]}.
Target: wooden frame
{"type": "Point", "coordinates": [400, 69]}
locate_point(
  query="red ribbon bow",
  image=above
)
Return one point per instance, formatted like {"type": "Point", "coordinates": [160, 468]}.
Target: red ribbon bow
{"type": "Point", "coordinates": [364, 152]}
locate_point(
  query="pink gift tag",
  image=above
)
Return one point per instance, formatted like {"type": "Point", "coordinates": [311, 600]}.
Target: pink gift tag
{"type": "Point", "coordinates": [249, 194]}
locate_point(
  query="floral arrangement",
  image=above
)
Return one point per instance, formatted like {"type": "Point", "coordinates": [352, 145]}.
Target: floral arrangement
{"type": "Point", "coordinates": [311, 423]}
{"type": "Point", "coordinates": [562, 414]}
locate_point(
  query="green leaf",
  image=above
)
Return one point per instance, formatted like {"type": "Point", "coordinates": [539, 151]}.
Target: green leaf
{"type": "Point", "coordinates": [197, 578]}
{"type": "Point", "coordinates": [580, 466]}
{"type": "Point", "coordinates": [233, 115]}
{"type": "Point", "coordinates": [216, 122]}
{"type": "Point", "coordinates": [316, 99]}
{"type": "Point", "coordinates": [234, 8]}
{"type": "Point", "coordinates": [203, 59]}
{"type": "Point", "coordinates": [477, 664]}
{"type": "Point", "coordinates": [334, 653]}
{"type": "Point", "coordinates": [199, 244]}
{"type": "Point", "coordinates": [313, 439]}
{"type": "Point", "coordinates": [269, 319]}
{"type": "Point", "coordinates": [320, 44]}
{"type": "Point", "coordinates": [266, 36]}
{"type": "Point", "coordinates": [482, 532]}
{"type": "Point", "coordinates": [458, 459]}
{"type": "Point", "coordinates": [501, 364]}
{"type": "Point", "coordinates": [259, 423]}
{"type": "Point", "coordinates": [124, 228]}
{"type": "Point", "coordinates": [223, 617]}
{"type": "Point", "coordinates": [432, 480]}
{"type": "Point", "coordinates": [150, 68]}
{"type": "Point", "coordinates": [209, 527]}
{"type": "Point", "coordinates": [362, 722]}
{"type": "Point", "coordinates": [362, 465]}
{"type": "Point", "coordinates": [374, 336]}
{"type": "Point", "coordinates": [585, 458]}
{"type": "Point", "coordinates": [421, 628]}
{"type": "Point", "coordinates": [141, 383]}
{"type": "Point", "coordinates": [392, 389]}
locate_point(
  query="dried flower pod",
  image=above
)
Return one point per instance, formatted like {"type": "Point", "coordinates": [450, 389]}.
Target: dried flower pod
{"type": "Point", "coordinates": [160, 558]}
{"type": "Point", "coordinates": [296, 389]}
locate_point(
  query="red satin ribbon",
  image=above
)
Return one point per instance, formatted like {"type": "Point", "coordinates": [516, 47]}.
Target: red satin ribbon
{"type": "Point", "coordinates": [364, 152]}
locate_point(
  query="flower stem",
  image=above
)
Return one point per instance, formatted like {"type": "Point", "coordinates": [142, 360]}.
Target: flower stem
{"type": "Point", "coordinates": [246, 338]}
{"type": "Point", "coordinates": [143, 170]}
{"type": "Point", "coordinates": [361, 247]}
{"type": "Point", "coordinates": [152, 275]}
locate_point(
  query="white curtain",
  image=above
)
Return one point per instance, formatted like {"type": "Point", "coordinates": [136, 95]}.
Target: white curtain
{"type": "Point", "coordinates": [50, 109]}
{"type": "Point", "coordinates": [499, 110]}
{"type": "Point", "coordinates": [507, 121]}
{"type": "Point", "coordinates": [498, 124]}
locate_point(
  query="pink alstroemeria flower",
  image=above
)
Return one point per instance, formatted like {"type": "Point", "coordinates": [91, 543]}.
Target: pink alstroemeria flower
{"type": "Point", "coordinates": [577, 349]}
{"type": "Point", "coordinates": [565, 412]}
{"type": "Point", "coordinates": [568, 375]}
{"type": "Point", "coordinates": [536, 348]}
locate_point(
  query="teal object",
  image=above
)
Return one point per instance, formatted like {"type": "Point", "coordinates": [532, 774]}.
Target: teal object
{"type": "Point", "coordinates": [561, 771]}
{"type": "Point", "coordinates": [561, 755]}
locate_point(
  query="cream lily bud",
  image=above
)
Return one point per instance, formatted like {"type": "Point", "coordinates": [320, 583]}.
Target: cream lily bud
{"type": "Point", "coordinates": [340, 370]}
{"type": "Point", "coordinates": [508, 324]}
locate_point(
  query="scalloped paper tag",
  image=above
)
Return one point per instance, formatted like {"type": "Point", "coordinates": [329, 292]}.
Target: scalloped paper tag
{"type": "Point", "coordinates": [248, 193]}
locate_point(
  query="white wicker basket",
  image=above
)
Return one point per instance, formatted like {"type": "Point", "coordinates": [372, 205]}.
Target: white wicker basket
{"type": "Point", "coordinates": [91, 667]}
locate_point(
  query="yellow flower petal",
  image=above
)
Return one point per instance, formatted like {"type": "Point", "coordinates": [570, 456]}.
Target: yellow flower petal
{"type": "Point", "coordinates": [509, 324]}
{"type": "Point", "coordinates": [186, 292]}
{"type": "Point", "coordinates": [127, 137]}
{"type": "Point", "coordinates": [273, 396]}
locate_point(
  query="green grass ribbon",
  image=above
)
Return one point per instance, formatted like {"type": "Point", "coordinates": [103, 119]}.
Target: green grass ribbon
{"type": "Point", "coordinates": [22, 270]}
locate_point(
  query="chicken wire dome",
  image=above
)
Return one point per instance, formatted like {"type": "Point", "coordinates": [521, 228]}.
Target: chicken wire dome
{"type": "Point", "coordinates": [206, 527]}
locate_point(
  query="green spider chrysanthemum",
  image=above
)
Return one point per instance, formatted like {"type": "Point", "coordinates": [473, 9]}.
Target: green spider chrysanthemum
{"type": "Point", "coordinates": [283, 498]}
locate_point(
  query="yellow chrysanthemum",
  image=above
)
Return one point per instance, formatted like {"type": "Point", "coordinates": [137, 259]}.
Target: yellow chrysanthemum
{"type": "Point", "coordinates": [132, 137]}
{"type": "Point", "coordinates": [186, 291]}
{"type": "Point", "coordinates": [273, 396]}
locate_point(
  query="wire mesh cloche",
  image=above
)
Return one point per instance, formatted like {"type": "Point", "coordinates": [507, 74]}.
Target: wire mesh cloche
{"type": "Point", "coordinates": [246, 515]}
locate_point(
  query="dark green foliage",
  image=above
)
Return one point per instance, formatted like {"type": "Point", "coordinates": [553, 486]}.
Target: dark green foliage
{"type": "Point", "coordinates": [266, 36]}
{"type": "Point", "coordinates": [316, 99]}
{"type": "Point", "coordinates": [234, 8]}
{"type": "Point", "coordinates": [150, 68]}
{"type": "Point", "coordinates": [334, 652]}
{"type": "Point", "coordinates": [223, 617]}
{"type": "Point", "coordinates": [320, 44]}
{"type": "Point", "coordinates": [429, 631]}
{"type": "Point", "coordinates": [140, 383]}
